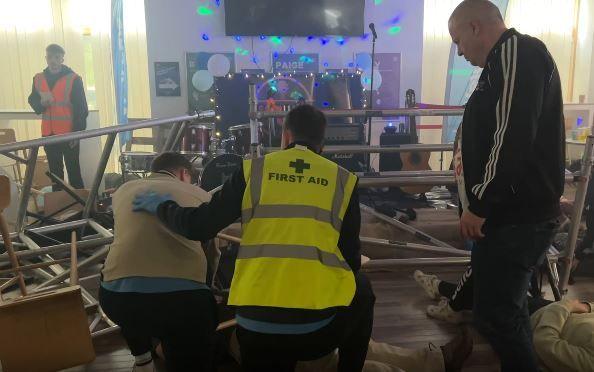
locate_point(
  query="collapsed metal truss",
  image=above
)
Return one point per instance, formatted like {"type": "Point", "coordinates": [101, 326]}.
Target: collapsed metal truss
{"type": "Point", "coordinates": [97, 242]}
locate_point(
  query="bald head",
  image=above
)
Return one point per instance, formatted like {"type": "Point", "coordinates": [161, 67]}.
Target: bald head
{"type": "Point", "coordinates": [475, 27]}
{"type": "Point", "coordinates": [483, 11]}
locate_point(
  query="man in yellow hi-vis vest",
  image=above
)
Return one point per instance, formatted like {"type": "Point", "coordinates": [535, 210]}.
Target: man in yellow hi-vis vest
{"type": "Point", "coordinates": [58, 95]}
{"type": "Point", "coordinates": [296, 284]}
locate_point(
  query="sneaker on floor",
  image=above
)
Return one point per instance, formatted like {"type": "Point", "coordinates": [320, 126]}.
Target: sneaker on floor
{"type": "Point", "coordinates": [149, 367]}
{"type": "Point", "coordinates": [429, 283]}
{"type": "Point", "coordinates": [444, 312]}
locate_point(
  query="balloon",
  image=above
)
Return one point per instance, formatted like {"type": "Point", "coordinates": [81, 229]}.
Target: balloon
{"type": "Point", "coordinates": [219, 65]}
{"type": "Point", "coordinates": [366, 80]}
{"type": "Point", "coordinates": [363, 61]}
{"type": "Point", "coordinates": [202, 80]}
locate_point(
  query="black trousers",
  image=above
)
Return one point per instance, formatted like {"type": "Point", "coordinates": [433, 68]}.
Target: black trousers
{"type": "Point", "coordinates": [459, 295]}
{"type": "Point", "coordinates": [63, 153]}
{"type": "Point", "coordinates": [184, 322]}
{"type": "Point", "coordinates": [349, 331]}
{"type": "Point", "coordinates": [502, 264]}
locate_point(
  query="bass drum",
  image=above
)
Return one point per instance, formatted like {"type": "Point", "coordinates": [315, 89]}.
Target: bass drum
{"type": "Point", "coordinates": [219, 170]}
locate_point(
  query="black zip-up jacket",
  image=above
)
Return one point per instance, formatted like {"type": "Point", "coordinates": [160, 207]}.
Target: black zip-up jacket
{"type": "Point", "coordinates": [80, 110]}
{"type": "Point", "coordinates": [513, 135]}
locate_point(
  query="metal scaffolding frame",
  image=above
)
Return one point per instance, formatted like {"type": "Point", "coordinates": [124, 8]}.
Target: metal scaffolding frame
{"type": "Point", "coordinates": [435, 178]}
{"type": "Point", "coordinates": [101, 236]}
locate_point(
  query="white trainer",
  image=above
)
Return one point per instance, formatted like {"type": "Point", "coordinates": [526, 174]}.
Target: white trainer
{"type": "Point", "coordinates": [429, 283]}
{"type": "Point", "coordinates": [443, 311]}
{"type": "Point", "coordinates": [150, 367]}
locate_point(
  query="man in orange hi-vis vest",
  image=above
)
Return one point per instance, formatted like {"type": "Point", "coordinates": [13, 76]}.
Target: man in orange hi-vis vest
{"type": "Point", "coordinates": [59, 96]}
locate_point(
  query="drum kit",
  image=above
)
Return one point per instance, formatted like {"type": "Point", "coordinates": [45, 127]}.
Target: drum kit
{"type": "Point", "coordinates": [214, 158]}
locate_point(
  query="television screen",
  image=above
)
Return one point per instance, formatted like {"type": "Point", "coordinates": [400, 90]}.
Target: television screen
{"type": "Point", "coordinates": [294, 18]}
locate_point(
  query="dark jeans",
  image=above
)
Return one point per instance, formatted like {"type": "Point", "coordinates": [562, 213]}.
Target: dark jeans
{"type": "Point", "coordinates": [349, 331]}
{"type": "Point", "coordinates": [502, 265]}
{"type": "Point", "coordinates": [61, 153]}
{"type": "Point", "coordinates": [183, 321]}
{"type": "Point", "coordinates": [460, 296]}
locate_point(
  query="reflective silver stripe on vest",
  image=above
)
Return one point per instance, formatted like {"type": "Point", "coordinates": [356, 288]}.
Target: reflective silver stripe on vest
{"type": "Point", "coordinates": [303, 252]}
{"type": "Point", "coordinates": [257, 174]}
{"type": "Point", "coordinates": [69, 84]}
{"type": "Point", "coordinates": [62, 104]}
{"type": "Point", "coordinates": [290, 211]}
{"type": "Point", "coordinates": [342, 177]}
{"type": "Point", "coordinates": [56, 118]}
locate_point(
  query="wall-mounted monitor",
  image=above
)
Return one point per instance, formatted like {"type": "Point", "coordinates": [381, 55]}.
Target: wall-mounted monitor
{"type": "Point", "coordinates": [294, 18]}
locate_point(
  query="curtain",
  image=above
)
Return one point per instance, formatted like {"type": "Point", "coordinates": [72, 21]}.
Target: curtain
{"type": "Point", "coordinates": [555, 23]}
{"type": "Point", "coordinates": [583, 60]}
{"type": "Point", "coordinates": [82, 27]}
{"type": "Point", "coordinates": [436, 52]}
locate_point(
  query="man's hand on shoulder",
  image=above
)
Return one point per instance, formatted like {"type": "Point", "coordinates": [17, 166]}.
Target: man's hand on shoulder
{"type": "Point", "coordinates": [149, 201]}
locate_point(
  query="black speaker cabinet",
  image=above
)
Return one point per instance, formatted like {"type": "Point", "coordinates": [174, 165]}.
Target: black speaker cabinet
{"type": "Point", "coordinates": [351, 162]}
{"type": "Point", "coordinates": [392, 161]}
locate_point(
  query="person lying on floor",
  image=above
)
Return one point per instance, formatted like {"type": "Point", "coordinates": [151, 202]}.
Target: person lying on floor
{"type": "Point", "coordinates": [563, 332]}
{"type": "Point", "coordinates": [383, 357]}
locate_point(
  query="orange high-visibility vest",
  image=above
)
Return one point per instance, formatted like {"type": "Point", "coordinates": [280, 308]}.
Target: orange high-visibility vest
{"type": "Point", "coordinates": [57, 118]}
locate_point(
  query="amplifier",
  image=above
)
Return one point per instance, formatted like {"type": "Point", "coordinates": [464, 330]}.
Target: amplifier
{"type": "Point", "coordinates": [351, 162]}
{"type": "Point", "coordinates": [344, 134]}
{"type": "Point", "coordinates": [392, 161]}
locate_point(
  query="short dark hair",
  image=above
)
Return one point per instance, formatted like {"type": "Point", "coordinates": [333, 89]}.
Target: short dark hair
{"type": "Point", "coordinates": [171, 162]}
{"type": "Point", "coordinates": [306, 123]}
{"type": "Point", "coordinates": [54, 49]}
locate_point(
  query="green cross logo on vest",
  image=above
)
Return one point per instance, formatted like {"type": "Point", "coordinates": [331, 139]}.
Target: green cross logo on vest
{"type": "Point", "coordinates": [299, 165]}
{"type": "Point", "coordinates": [289, 192]}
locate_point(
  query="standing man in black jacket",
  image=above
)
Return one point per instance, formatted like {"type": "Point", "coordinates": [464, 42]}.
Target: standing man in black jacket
{"type": "Point", "coordinates": [59, 96]}
{"type": "Point", "coordinates": [512, 174]}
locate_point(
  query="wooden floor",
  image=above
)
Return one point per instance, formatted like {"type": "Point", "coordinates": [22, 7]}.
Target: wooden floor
{"type": "Point", "coordinates": [399, 319]}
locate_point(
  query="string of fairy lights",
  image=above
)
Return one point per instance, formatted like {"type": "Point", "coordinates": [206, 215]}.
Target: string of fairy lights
{"type": "Point", "coordinates": [284, 45]}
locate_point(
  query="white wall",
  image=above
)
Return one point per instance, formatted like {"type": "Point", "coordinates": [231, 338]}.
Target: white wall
{"type": "Point", "coordinates": [174, 28]}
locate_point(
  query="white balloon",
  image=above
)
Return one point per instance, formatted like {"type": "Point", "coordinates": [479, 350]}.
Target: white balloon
{"type": "Point", "coordinates": [202, 80]}
{"type": "Point", "coordinates": [366, 80]}
{"type": "Point", "coordinates": [219, 65]}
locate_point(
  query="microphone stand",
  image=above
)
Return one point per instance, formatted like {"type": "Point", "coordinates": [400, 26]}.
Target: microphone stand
{"type": "Point", "coordinates": [370, 101]}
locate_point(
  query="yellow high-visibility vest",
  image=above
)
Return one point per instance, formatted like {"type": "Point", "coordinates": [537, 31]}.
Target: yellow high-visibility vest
{"type": "Point", "coordinates": [292, 212]}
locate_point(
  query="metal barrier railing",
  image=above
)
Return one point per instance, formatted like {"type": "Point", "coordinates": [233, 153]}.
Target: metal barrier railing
{"type": "Point", "coordinates": [104, 236]}
{"type": "Point", "coordinates": [111, 132]}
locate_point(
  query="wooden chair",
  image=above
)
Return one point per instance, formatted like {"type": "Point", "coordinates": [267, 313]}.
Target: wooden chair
{"type": "Point", "coordinates": [40, 180]}
{"type": "Point", "coordinates": [8, 135]}
{"type": "Point", "coordinates": [46, 331]}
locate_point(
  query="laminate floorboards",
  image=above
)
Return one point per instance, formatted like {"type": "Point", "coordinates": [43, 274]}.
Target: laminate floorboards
{"type": "Point", "coordinates": [400, 319]}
